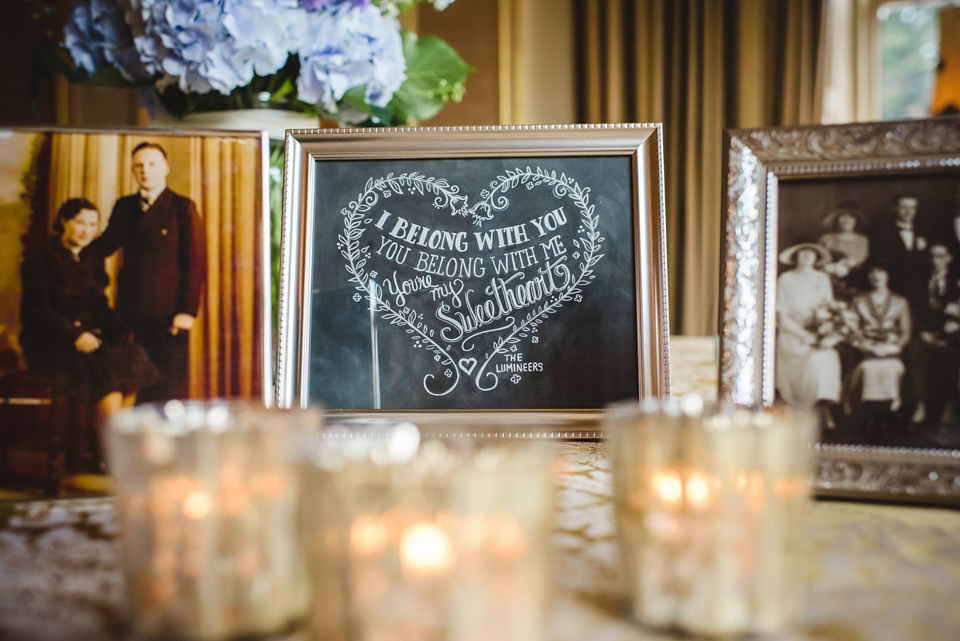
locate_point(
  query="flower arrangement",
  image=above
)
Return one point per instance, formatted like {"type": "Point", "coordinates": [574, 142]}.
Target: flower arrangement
{"type": "Point", "coordinates": [348, 60]}
{"type": "Point", "coordinates": [836, 323]}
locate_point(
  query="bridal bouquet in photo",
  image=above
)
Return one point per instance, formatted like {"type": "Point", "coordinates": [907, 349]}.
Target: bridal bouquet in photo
{"type": "Point", "coordinates": [835, 323]}
{"type": "Point", "coordinates": [347, 60]}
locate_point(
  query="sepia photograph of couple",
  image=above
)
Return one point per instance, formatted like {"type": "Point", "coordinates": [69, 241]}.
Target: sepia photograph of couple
{"type": "Point", "coordinates": [131, 271]}
{"type": "Point", "coordinates": [868, 307]}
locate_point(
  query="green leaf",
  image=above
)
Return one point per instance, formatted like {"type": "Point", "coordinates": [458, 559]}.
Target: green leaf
{"type": "Point", "coordinates": [48, 61]}
{"type": "Point", "coordinates": [355, 97]}
{"type": "Point", "coordinates": [436, 74]}
{"type": "Point", "coordinates": [110, 77]}
{"type": "Point", "coordinates": [283, 91]}
{"type": "Point", "coordinates": [378, 116]}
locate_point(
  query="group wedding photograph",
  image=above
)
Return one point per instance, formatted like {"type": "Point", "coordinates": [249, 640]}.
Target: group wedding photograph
{"type": "Point", "coordinates": [868, 307]}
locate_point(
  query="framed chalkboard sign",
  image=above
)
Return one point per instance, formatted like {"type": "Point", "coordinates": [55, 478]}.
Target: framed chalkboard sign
{"type": "Point", "coordinates": [501, 268]}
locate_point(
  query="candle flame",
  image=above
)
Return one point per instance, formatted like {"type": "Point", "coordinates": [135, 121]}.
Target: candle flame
{"type": "Point", "coordinates": [425, 548]}
{"type": "Point", "coordinates": [197, 505]}
{"type": "Point", "coordinates": [698, 491]}
{"type": "Point", "coordinates": [668, 488]}
{"type": "Point", "coordinates": [367, 536]}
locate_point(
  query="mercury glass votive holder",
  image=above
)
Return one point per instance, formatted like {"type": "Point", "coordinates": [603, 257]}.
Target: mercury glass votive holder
{"type": "Point", "coordinates": [206, 504]}
{"type": "Point", "coordinates": [426, 538]}
{"type": "Point", "coordinates": [710, 506]}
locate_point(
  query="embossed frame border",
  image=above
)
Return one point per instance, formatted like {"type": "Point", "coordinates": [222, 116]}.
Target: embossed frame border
{"type": "Point", "coordinates": [642, 143]}
{"type": "Point", "coordinates": [756, 161]}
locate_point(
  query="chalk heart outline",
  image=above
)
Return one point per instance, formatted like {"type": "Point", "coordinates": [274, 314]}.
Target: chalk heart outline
{"type": "Point", "coordinates": [467, 365]}
{"type": "Point", "coordinates": [448, 197]}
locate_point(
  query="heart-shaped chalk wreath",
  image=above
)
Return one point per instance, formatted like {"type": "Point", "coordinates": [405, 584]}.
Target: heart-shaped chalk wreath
{"type": "Point", "coordinates": [451, 353]}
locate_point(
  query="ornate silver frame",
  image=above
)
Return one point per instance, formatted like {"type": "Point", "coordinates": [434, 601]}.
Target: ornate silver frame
{"type": "Point", "coordinates": [642, 143]}
{"type": "Point", "coordinates": [756, 161]}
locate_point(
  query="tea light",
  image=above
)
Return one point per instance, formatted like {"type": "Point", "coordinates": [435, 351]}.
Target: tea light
{"type": "Point", "coordinates": [433, 540]}
{"type": "Point", "coordinates": [425, 549]}
{"type": "Point", "coordinates": [710, 513]}
{"type": "Point", "coordinates": [205, 502]}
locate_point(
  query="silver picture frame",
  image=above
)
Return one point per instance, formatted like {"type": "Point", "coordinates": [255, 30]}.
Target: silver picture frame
{"type": "Point", "coordinates": [323, 175]}
{"type": "Point", "coordinates": [779, 182]}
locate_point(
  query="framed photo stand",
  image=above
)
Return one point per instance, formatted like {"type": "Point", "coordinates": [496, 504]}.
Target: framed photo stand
{"type": "Point", "coordinates": [134, 268]}
{"type": "Point", "coordinates": [498, 269]}
{"type": "Point", "coordinates": [841, 291]}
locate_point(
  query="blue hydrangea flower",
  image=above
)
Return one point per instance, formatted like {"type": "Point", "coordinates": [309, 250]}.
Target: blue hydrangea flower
{"type": "Point", "coordinates": [319, 5]}
{"type": "Point", "coordinates": [218, 44]}
{"type": "Point", "coordinates": [178, 39]}
{"type": "Point", "coordinates": [206, 45]}
{"type": "Point", "coordinates": [97, 37]}
{"type": "Point", "coordinates": [263, 33]}
{"type": "Point", "coordinates": [350, 46]}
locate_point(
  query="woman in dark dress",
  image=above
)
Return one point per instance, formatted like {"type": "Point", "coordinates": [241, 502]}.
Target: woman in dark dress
{"type": "Point", "coordinates": [69, 332]}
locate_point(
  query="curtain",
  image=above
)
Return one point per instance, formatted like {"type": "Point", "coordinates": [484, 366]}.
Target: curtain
{"type": "Point", "coordinates": [226, 355]}
{"type": "Point", "coordinates": [699, 67]}
{"type": "Point", "coordinates": [850, 62]}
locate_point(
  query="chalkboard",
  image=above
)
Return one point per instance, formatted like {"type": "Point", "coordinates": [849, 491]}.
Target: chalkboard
{"type": "Point", "coordinates": [472, 282]}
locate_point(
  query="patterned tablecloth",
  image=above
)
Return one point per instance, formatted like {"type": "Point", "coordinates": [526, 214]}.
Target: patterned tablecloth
{"type": "Point", "coordinates": [874, 572]}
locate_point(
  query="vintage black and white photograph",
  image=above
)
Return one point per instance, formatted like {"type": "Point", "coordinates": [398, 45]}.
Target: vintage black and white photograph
{"type": "Point", "coordinates": [868, 307]}
{"type": "Point", "coordinates": [841, 295]}
{"type": "Point", "coordinates": [131, 271]}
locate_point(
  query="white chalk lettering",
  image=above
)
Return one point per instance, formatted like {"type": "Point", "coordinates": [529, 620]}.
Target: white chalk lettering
{"type": "Point", "coordinates": [450, 266]}
{"type": "Point", "coordinates": [550, 221]}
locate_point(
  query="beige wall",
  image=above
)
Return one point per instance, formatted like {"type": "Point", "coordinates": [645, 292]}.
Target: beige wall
{"type": "Point", "coordinates": [524, 57]}
{"type": "Point", "coordinates": [471, 27]}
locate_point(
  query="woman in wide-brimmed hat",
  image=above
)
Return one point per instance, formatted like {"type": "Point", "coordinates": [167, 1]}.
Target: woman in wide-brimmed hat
{"type": "Point", "coordinates": [851, 247]}
{"type": "Point", "coordinates": [808, 367]}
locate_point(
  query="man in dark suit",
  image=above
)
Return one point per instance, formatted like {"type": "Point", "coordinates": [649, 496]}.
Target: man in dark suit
{"type": "Point", "coordinates": [903, 241]}
{"type": "Point", "coordinates": [933, 358]}
{"type": "Point", "coordinates": [948, 229]}
{"type": "Point", "coordinates": [163, 271]}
